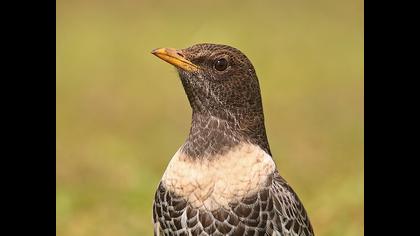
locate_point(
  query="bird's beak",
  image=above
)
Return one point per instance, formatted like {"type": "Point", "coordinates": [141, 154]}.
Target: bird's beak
{"type": "Point", "coordinates": [175, 58]}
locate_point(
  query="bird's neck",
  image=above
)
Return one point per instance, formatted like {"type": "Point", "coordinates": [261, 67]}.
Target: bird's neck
{"type": "Point", "coordinates": [215, 134]}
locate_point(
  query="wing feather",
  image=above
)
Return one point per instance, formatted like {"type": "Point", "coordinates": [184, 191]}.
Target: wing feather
{"type": "Point", "coordinates": [291, 217]}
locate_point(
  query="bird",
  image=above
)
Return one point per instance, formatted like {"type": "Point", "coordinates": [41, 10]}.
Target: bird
{"type": "Point", "coordinates": [223, 179]}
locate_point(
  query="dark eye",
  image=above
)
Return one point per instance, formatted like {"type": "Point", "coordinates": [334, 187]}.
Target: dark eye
{"type": "Point", "coordinates": [221, 64]}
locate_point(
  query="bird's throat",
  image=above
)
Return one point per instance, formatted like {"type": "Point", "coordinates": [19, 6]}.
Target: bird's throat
{"type": "Point", "coordinates": [212, 135]}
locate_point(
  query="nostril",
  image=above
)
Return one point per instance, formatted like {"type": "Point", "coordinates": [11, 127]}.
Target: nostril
{"type": "Point", "coordinates": [180, 54]}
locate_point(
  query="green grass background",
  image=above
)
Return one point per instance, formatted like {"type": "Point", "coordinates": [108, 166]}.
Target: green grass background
{"type": "Point", "coordinates": [122, 113]}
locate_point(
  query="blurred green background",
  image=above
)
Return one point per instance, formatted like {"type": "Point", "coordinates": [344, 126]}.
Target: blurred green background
{"type": "Point", "coordinates": [122, 113]}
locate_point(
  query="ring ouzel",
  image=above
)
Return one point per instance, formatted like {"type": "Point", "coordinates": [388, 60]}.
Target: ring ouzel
{"type": "Point", "coordinates": [223, 180]}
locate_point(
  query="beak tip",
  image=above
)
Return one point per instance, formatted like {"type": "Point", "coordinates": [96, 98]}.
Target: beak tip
{"type": "Point", "coordinates": [154, 51]}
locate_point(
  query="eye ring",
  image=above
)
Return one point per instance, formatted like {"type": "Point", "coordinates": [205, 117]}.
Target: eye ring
{"type": "Point", "coordinates": [221, 64]}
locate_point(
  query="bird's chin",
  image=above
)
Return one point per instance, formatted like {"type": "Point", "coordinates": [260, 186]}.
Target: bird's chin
{"type": "Point", "coordinates": [189, 78]}
{"type": "Point", "coordinates": [188, 75]}
{"type": "Point", "coordinates": [183, 74]}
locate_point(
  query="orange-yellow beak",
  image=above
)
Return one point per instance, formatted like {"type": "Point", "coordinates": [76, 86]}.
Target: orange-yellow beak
{"type": "Point", "coordinates": [175, 58]}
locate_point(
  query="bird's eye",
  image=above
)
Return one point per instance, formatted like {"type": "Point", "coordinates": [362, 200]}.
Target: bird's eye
{"type": "Point", "coordinates": [221, 64]}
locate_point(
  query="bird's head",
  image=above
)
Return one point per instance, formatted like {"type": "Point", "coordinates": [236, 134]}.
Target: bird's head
{"type": "Point", "coordinates": [217, 79]}
{"type": "Point", "coordinates": [223, 91]}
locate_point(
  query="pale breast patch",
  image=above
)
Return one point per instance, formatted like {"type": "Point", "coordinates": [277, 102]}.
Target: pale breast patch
{"type": "Point", "coordinates": [217, 181]}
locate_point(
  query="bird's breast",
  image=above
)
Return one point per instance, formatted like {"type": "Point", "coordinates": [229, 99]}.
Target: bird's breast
{"type": "Point", "coordinates": [217, 181]}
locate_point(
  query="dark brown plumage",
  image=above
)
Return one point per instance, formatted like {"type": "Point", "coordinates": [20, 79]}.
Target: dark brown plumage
{"type": "Point", "coordinates": [223, 181]}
